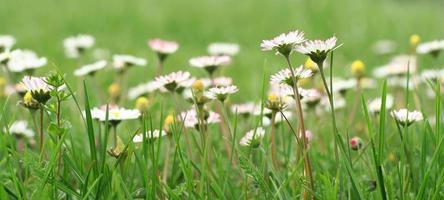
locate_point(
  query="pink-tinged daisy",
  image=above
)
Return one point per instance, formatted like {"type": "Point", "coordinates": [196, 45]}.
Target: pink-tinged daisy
{"type": "Point", "coordinates": [433, 47]}
{"type": "Point", "coordinates": [286, 77]}
{"type": "Point", "coordinates": [123, 62]}
{"type": "Point", "coordinates": [253, 137]}
{"type": "Point", "coordinates": [143, 89]}
{"type": "Point", "coordinates": [76, 45]}
{"type": "Point", "coordinates": [149, 135]}
{"type": "Point", "coordinates": [311, 97]}
{"type": "Point", "coordinates": [317, 50]}
{"type": "Point", "coordinates": [283, 43]}
{"type": "Point", "coordinates": [342, 85]}
{"type": "Point", "coordinates": [405, 117]}
{"type": "Point", "coordinates": [6, 42]}
{"type": "Point", "coordinates": [116, 114]}
{"type": "Point", "coordinates": [355, 143]}
{"type": "Point", "coordinates": [219, 49]}
{"type": "Point", "coordinates": [21, 129]}
{"type": "Point", "coordinates": [191, 120]}
{"type": "Point", "coordinates": [399, 65]}
{"type": "Point", "coordinates": [38, 87]}
{"type": "Point", "coordinates": [90, 69]}
{"type": "Point", "coordinates": [375, 105]}
{"type": "Point", "coordinates": [308, 134]}
{"type": "Point", "coordinates": [217, 81]}
{"type": "Point", "coordinates": [173, 80]}
{"type": "Point", "coordinates": [244, 109]}
{"type": "Point", "coordinates": [163, 47]}
{"type": "Point", "coordinates": [25, 61]}
{"type": "Point", "coordinates": [222, 92]}
{"type": "Point", "coordinates": [210, 63]}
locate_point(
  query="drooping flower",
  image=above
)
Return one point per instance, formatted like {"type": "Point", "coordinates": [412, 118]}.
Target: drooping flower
{"type": "Point", "coordinates": [432, 47]}
{"type": "Point", "coordinates": [222, 92]}
{"type": "Point", "coordinates": [317, 50]}
{"type": "Point", "coordinates": [286, 77]}
{"type": "Point", "coordinates": [90, 69]}
{"type": "Point", "coordinates": [405, 117]}
{"type": "Point", "coordinates": [355, 143]}
{"type": "Point", "coordinates": [38, 87]}
{"type": "Point", "coordinates": [375, 105]}
{"type": "Point", "coordinates": [6, 42]}
{"type": "Point", "coordinates": [122, 62]}
{"type": "Point", "coordinates": [76, 45]}
{"type": "Point", "coordinates": [219, 48]}
{"type": "Point", "coordinates": [163, 48]}
{"type": "Point", "coordinates": [20, 128]}
{"type": "Point", "coordinates": [173, 80]}
{"type": "Point", "coordinates": [25, 60]}
{"type": "Point", "coordinates": [210, 63]}
{"type": "Point", "coordinates": [283, 43]}
{"type": "Point", "coordinates": [149, 135]}
{"type": "Point", "coordinates": [253, 137]}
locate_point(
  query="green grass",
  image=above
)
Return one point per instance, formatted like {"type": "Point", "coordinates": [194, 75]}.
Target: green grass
{"type": "Point", "coordinates": [199, 167]}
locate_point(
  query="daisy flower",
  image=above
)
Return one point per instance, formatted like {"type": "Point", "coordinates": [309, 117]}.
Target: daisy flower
{"type": "Point", "coordinates": [311, 97]}
{"type": "Point", "coordinates": [221, 92]}
{"type": "Point", "coordinates": [122, 62]}
{"type": "Point", "coordinates": [6, 42]}
{"type": "Point", "coordinates": [116, 114]}
{"type": "Point", "coordinates": [210, 63]}
{"type": "Point", "coordinates": [341, 86]}
{"type": "Point", "coordinates": [76, 45]}
{"type": "Point", "coordinates": [90, 69]}
{"type": "Point", "coordinates": [20, 128]}
{"type": "Point", "coordinates": [191, 119]}
{"type": "Point", "coordinates": [405, 117]}
{"type": "Point", "coordinates": [25, 60]}
{"type": "Point", "coordinates": [143, 89]}
{"type": "Point", "coordinates": [375, 105]}
{"type": "Point", "coordinates": [283, 43]}
{"type": "Point", "coordinates": [163, 47]}
{"type": "Point", "coordinates": [432, 74]}
{"type": "Point", "coordinates": [317, 50]}
{"type": "Point", "coordinates": [401, 82]}
{"type": "Point", "coordinates": [384, 47]}
{"type": "Point", "coordinates": [285, 76]}
{"type": "Point", "coordinates": [433, 47]}
{"type": "Point", "coordinates": [149, 135]}
{"type": "Point", "coordinates": [38, 87]}
{"type": "Point", "coordinates": [217, 81]}
{"type": "Point", "coordinates": [252, 138]}
{"type": "Point", "coordinates": [173, 80]}
{"type": "Point", "coordinates": [399, 65]}
{"type": "Point", "coordinates": [229, 49]}
{"type": "Point", "coordinates": [245, 108]}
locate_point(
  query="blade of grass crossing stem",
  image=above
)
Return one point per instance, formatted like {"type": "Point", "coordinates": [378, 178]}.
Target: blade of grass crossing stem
{"type": "Point", "coordinates": [90, 131]}
{"type": "Point", "coordinates": [382, 115]}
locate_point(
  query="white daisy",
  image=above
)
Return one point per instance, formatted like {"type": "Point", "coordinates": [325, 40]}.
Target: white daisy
{"type": "Point", "coordinates": [210, 63]}
{"type": "Point", "coordinates": [375, 105]}
{"type": "Point", "coordinates": [76, 45]}
{"type": "Point", "coordinates": [38, 87]}
{"type": "Point", "coordinates": [283, 43]}
{"type": "Point", "coordinates": [143, 89]}
{"type": "Point", "coordinates": [317, 49]}
{"type": "Point", "coordinates": [221, 92]}
{"type": "Point", "coordinates": [20, 128]}
{"type": "Point", "coordinates": [245, 108]}
{"type": "Point", "coordinates": [383, 47]}
{"type": "Point", "coordinates": [229, 49]}
{"type": "Point", "coordinates": [121, 62]}
{"type": "Point", "coordinates": [6, 42]}
{"type": "Point", "coordinates": [285, 76]}
{"type": "Point", "coordinates": [341, 85]}
{"type": "Point", "coordinates": [252, 138]}
{"type": "Point", "coordinates": [217, 81]}
{"type": "Point", "coordinates": [433, 47]}
{"type": "Point", "coordinates": [173, 80]}
{"type": "Point", "coordinates": [25, 60]}
{"type": "Point", "coordinates": [191, 119]}
{"type": "Point", "coordinates": [399, 65]}
{"type": "Point", "coordinates": [432, 74]}
{"type": "Point", "coordinates": [401, 82]}
{"type": "Point", "coordinates": [163, 46]}
{"type": "Point", "coordinates": [115, 114]}
{"type": "Point", "coordinates": [149, 135]}
{"type": "Point", "coordinates": [405, 117]}
{"type": "Point", "coordinates": [311, 97]}
{"type": "Point", "coordinates": [90, 69]}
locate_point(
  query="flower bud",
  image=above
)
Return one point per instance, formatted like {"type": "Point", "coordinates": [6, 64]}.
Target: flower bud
{"type": "Point", "coordinates": [274, 102]}
{"type": "Point", "coordinates": [355, 143]}
{"type": "Point", "coordinates": [198, 86]}
{"type": "Point", "coordinates": [114, 90]}
{"type": "Point", "coordinates": [142, 104]}
{"type": "Point", "coordinates": [169, 120]}
{"type": "Point", "coordinates": [414, 40]}
{"type": "Point", "coordinates": [358, 68]}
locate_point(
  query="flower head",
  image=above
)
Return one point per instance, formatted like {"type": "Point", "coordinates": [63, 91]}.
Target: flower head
{"type": "Point", "coordinates": [432, 47]}
{"type": "Point", "coordinates": [356, 143]}
{"type": "Point", "coordinates": [25, 60]}
{"type": "Point", "coordinates": [414, 40]}
{"type": "Point", "coordinates": [358, 68]}
{"type": "Point", "coordinates": [253, 137]}
{"type": "Point", "coordinates": [229, 49]}
{"type": "Point", "coordinates": [142, 104]}
{"type": "Point", "coordinates": [285, 76]}
{"type": "Point", "coordinates": [210, 63]}
{"type": "Point", "coordinates": [76, 45]}
{"type": "Point", "coordinates": [122, 62]}
{"type": "Point", "coordinates": [244, 109]}
{"type": "Point", "coordinates": [115, 114]}
{"type": "Point", "coordinates": [191, 118]}
{"type": "Point", "coordinates": [317, 49]}
{"type": "Point", "coordinates": [163, 47]}
{"type": "Point", "coordinates": [143, 89]}
{"type": "Point", "coordinates": [405, 117]}
{"type": "Point", "coordinates": [375, 105]}
{"type": "Point", "coordinates": [399, 65]}
{"type": "Point", "coordinates": [221, 92]}
{"type": "Point", "coordinates": [6, 42]}
{"type": "Point", "coordinates": [283, 43]}
{"type": "Point", "coordinates": [38, 87]}
{"type": "Point", "coordinates": [149, 135]}
{"type": "Point", "coordinates": [173, 80]}
{"type": "Point", "coordinates": [90, 69]}
{"type": "Point", "coordinates": [20, 128]}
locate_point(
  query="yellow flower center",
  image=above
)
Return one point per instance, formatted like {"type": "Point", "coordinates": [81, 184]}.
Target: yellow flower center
{"type": "Point", "coordinates": [414, 40]}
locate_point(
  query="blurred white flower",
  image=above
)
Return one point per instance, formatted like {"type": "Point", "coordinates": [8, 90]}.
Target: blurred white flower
{"type": "Point", "coordinates": [252, 138]}
{"type": "Point", "coordinates": [191, 119]}
{"type": "Point", "coordinates": [217, 81]}
{"type": "Point", "coordinates": [383, 47]}
{"type": "Point", "coordinates": [401, 82]}
{"type": "Point", "coordinates": [20, 128]}
{"type": "Point", "coordinates": [6, 42]}
{"type": "Point", "coordinates": [25, 60]}
{"type": "Point", "coordinates": [229, 49]}
{"type": "Point", "coordinates": [375, 105]}
{"type": "Point", "coordinates": [90, 69]}
{"type": "Point", "coordinates": [245, 108]}
{"type": "Point", "coordinates": [317, 49]}
{"type": "Point", "coordinates": [143, 89]}
{"type": "Point", "coordinates": [221, 92]}
{"type": "Point", "coordinates": [210, 63]}
{"type": "Point", "coordinates": [36, 84]}
{"type": "Point", "coordinates": [121, 62]}
{"type": "Point", "coordinates": [405, 117]}
{"type": "Point", "coordinates": [283, 43]}
{"type": "Point", "coordinates": [311, 97]}
{"type": "Point", "coordinates": [432, 47]}
{"type": "Point", "coordinates": [76, 45]}
{"type": "Point", "coordinates": [266, 120]}
{"type": "Point", "coordinates": [163, 46]}
{"type": "Point", "coordinates": [399, 65]}
{"type": "Point", "coordinates": [342, 85]}
{"type": "Point", "coordinates": [173, 80]}
{"type": "Point", "coordinates": [285, 76]}
{"type": "Point", "coordinates": [432, 74]}
{"type": "Point", "coordinates": [115, 114]}
{"type": "Point", "coordinates": [149, 135]}
{"type": "Point", "coordinates": [4, 56]}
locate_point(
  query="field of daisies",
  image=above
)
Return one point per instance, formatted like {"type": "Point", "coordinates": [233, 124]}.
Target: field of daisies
{"type": "Point", "coordinates": [148, 101]}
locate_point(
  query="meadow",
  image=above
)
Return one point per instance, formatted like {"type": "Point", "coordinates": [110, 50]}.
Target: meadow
{"type": "Point", "coordinates": [359, 116]}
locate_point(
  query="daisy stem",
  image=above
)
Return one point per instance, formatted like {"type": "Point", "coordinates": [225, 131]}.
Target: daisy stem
{"type": "Point", "coordinates": [273, 142]}
{"type": "Point", "coordinates": [167, 161]}
{"type": "Point", "coordinates": [41, 132]}
{"type": "Point", "coordinates": [307, 164]}
{"type": "Point", "coordinates": [159, 67]}
{"type": "Point", "coordinates": [224, 126]}
{"type": "Point", "coordinates": [351, 117]}
{"type": "Point", "coordinates": [406, 152]}
{"type": "Point", "coordinates": [115, 135]}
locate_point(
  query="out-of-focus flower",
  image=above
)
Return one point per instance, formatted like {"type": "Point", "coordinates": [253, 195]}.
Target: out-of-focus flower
{"type": "Point", "coordinates": [163, 48]}
{"type": "Point", "coordinates": [173, 80]}
{"type": "Point", "coordinates": [222, 92]}
{"type": "Point", "coordinates": [432, 47]}
{"type": "Point", "coordinates": [275, 102]}
{"type": "Point", "coordinates": [283, 43]}
{"type": "Point", "coordinates": [414, 40]}
{"type": "Point", "coordinates": [383, 47]}
{"type": "Point", "coordinates": [143, 89]}
{"type": "Point", "coordinates": [115, 114]}
{"type": "Point", "coordinates": [286, 77]}
{"type": "Point", "coordinates": [309, 64]}
{"type": "Point", "coordinates": [308, 134]}
{"type": "Point", "coordinates": [253, 137]}
{"type": "Point", "coordinates": [399, 65]}
{"type": "Point", "coordinates": [356, 143]}
{"type": "Point", "coordinates": [4, 57]}
{"type": "Point", "coordinates": [317, 50]}
{"type": "Point", "coordinates": [311, 97]}
{"type": "Point", "coordinates": [405, 117]}
{"type": "Point", "coordinates": [280, 117]}
{"type": "Point", "coordinates": [114, 91]}
{"type": "Point", "coordinates": [142, 104]}
{"type": "Point", "coordinates": [210, 63]}
{"type": "Point", "coordinates": [375, 105]}
{"type": "Point", "coordinates": [38, 87]}
{"type": "Point", "coordinates": [90, 69]}
{"type": "Point", "coordinates": [25, 60]}
{"type": "Point", "coordinates": [432, 74]}
{"type": "Point", "coordinates": [149, 135]}
{"type": "Point", "coordinates": [20, 128]}
{"type": "Point", "coordinates": [358, 69]}
{"type": "Point", "coordinates": [342, 85]}
{"type": "Point", "coordinates": [401, 82]}
{"type": "Point", "coordinates": [245, 108]}
{"type": "Point", "coordinates": [123, 62]}
{"type": "Point", "coordinates": [191, 118]}
{"type": "Point", "coordinates": [217, 81]}
{"type": "Point", "coordinates": [219, 48]}
{"type": "Point", "coordinates": [29, 102]}
{"type": "Point", "coordinates": [76, 45]}
{"type": "Point", "coordinates": [6, 42]}
{"type": "Point", "coordinates": [168, 122]}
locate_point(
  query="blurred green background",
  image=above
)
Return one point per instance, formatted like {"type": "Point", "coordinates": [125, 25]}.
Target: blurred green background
{"type": "Point", "coordinates": [124, 27]}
